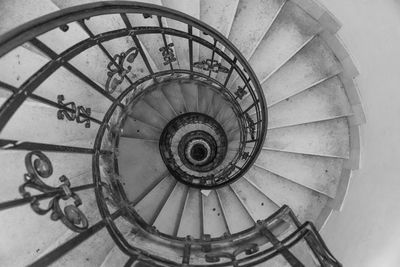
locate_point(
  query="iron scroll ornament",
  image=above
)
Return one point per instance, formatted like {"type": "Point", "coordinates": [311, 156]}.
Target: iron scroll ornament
{"type": "Point", "coordinates": [39, 167]}
{"type": "Point", "coordinates": [117, 73]}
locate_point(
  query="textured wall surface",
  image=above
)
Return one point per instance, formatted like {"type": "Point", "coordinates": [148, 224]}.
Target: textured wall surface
{"type": "Point", "coordinates": [367, 231]}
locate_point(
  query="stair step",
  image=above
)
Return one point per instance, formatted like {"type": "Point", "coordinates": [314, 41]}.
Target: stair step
{"type": "Point", "coordinates": [205, 98]}
{"type": "Point", "coordinates": [251, 23]}
{"type": "Point", "coordinates": [191, 220]}
{"type": "Point", "coordinates": [157, 100]}
{"type": "Point", "coordinates": [213, 217]}
{"type": "Point", "coordinates": [219, 15]}
{"type": "Point", "coordinates": [146, 114]}
{"type": "Point", "coordinates": [313, 63]}
{"type": "Point", "coordinates": [306, 203]}
{"type": "Point", "coordinates": [217, 102]}
{"type": "Point", "coordinates": [237, 218]}
{"type": "Point", "coordinates": [134, 128]}
{"type": "Point", "coordinates": [14, 13]}
{"type": "Point", "coordinates": [93, 251]}
{"type": "Point", "coordinates": [257, 203]}
{"type": "Point", "coordinates": [149, 204]}
{"type": "Point", "coordinates": [326, 138]}
{"type": "Point", "coordinates": [89, 208]}
{"type": "Point", "coordinates": [191, 8]}
{"type": "Point", "coordinates": [136, 173]}
{"type": "Point", "coordinates": [115, 258]}
{"type": "Point", "coordinates": [324, 101]}
{"type": "Point", "coordinates": [321, 174]}
{"type": "Point", "coordinates": [29, 222]}
{"type": "Point", "coordinates": [230, 124]}
{"type": "Point", "coordinates": [293, 27]}
{"type": "Point", "coordinates": [190, 95]}
{"type": "Point", "coordinates": [173, 93]}
{"type": "Point", "coordinates": [39, 118]}
{"type": "Point", "coordinates": [169, 217]}
{"type": "Point", "coordinates": [22, 64]}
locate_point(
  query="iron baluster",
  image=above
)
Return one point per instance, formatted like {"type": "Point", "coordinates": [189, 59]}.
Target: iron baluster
{"type": "Point", "coordinates": [212, 56]}
{"type": "Point", "coordinates": [190, 31]}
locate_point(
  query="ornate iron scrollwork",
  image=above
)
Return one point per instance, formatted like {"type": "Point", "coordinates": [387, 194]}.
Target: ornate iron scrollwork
{"type": "Point", "coordinates": [245, 155]}
{"type": "Point", "coordinates": [168, 53]}
{"type": "Point", "coordinates": [210, 65]}
{"type": "Point", "coordinates": [252, 127]}
{"type": "Point", "coordinates": [248, 249]}
{"type": "Point", "coordinates": [240, 93]}
{"type": "Point", "coordinates": [39, 167]}
{"type": "Point", "coordinates": [117, 72]}
{"type": "Point", "coordinates": [76, 114]}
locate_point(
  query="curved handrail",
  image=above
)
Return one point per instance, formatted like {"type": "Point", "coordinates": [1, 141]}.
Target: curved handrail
{"type": "Point", "coordinates": [29, 31]}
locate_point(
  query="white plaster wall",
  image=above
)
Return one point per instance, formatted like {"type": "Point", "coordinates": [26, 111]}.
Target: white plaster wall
{"type": "Point", "coordinates": [366, 233]}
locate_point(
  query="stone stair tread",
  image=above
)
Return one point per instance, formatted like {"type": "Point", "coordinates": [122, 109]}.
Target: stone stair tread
{"type": "Point", "coordinates": [169, 217]}
{"type": "Point", "coordinates": [258, 204]}
{"type": "Point", "coordinates": [306, 203]}
{"type": "Point", "coordinates": [222, 22]}
{"type": "Point", "coordinates": [158, 101]}
{"type": "Point", "coordinates": [134, 128]}
{"type": "Point", "coordinates": [324, 101]}
{"type": "Point", "coordinates": [321, 174]}
{"type": "Point", "coordinates": [51, 233]}
{"type": "Point", "coordinates": [93, 251]}
{"type": "Point", "coordinates": [148, 206]}
{"type": "Point", "coordinates": [135, 171]}
{"type": "Point", "coordinates": [326, 138]}
{"type": "Point", "coordinates": [39, 118]}
{"type": "Point", "coordinates": [190, 95]}
{"type": "Point", "coordinates": [205, 97]}
{"type": "Point", "coordinates": [249, 25]}
{"type": "Point", "coordinates": [293, 27]}
{"type": "Point", "coordinates": [173, 93]}
{"type": "Point", "coordinates": [237, 218]}
{"type": "Point", "coordinates": [191, 220]}
{"type": "Point", "coordinates": [115, 258]}
{"type": "Point", "coordinates": [313, 63]}
{"type": "Point", "coordinates": [147, 114]}
{"type": "Point", "coordinates": [213, 219]}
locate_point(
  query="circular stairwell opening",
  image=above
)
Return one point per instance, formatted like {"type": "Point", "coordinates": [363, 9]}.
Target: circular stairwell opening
{"type": "Point", "coordinates": [199, 152]}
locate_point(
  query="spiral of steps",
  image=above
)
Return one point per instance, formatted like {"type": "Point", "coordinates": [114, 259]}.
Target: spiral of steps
{"type": "Point", "coordinates": [178, 157]}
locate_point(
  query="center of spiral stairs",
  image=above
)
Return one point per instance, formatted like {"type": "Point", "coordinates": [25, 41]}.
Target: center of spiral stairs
{"type": "Point", "coordinates": [193, 146]}
{"type": "Point", "coordinates": [164, 119]}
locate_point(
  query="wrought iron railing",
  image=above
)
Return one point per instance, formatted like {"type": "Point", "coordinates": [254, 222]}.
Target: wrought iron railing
{"type": "Point", "coordinates": [270, 238]}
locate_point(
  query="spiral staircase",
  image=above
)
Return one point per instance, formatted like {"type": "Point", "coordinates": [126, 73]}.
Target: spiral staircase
{"type": "Point", "coordinates": [173, 133]}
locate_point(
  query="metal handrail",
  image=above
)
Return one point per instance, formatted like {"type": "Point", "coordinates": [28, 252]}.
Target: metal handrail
{"type": "Point", "coordinates": [242, 242]}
